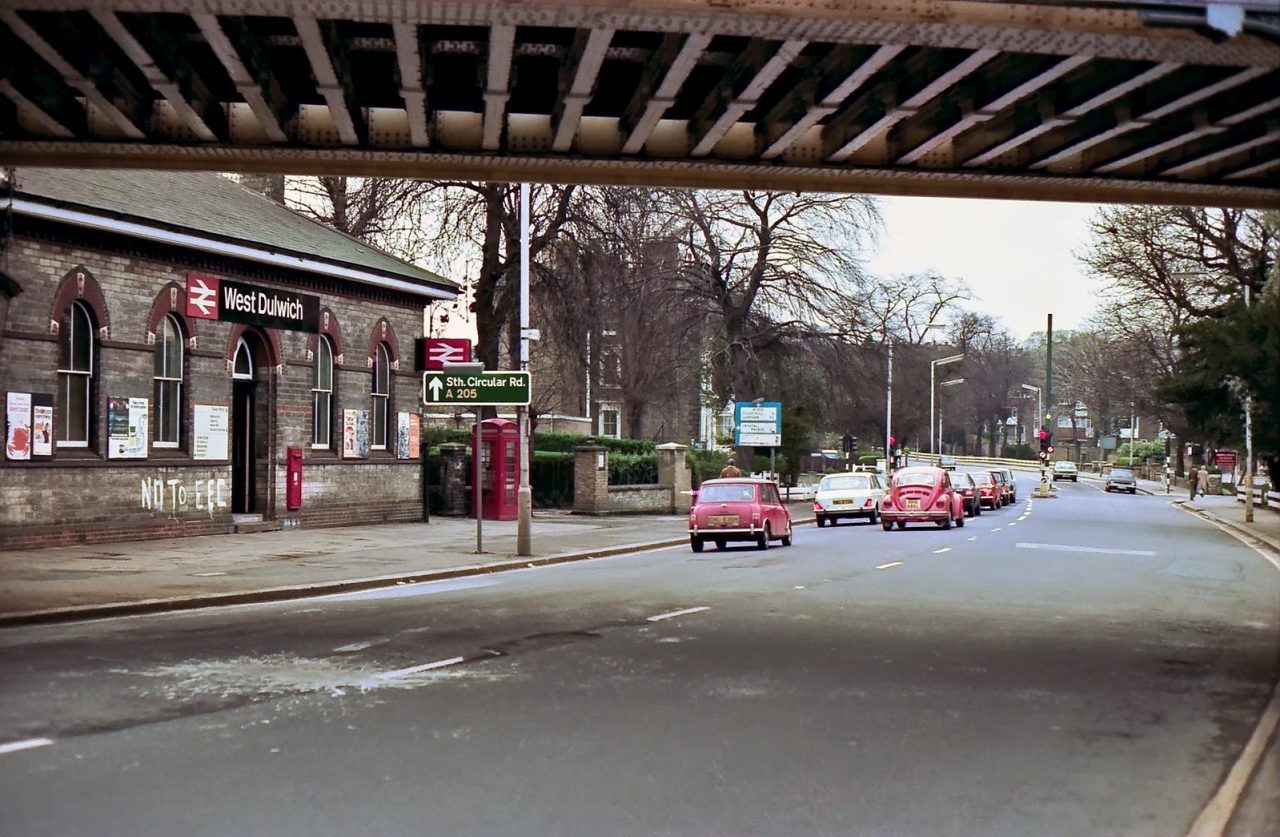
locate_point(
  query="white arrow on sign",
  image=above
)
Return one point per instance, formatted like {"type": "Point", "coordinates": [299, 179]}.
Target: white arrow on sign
{"type": "Point", "coordinates": [435, 386]}
{"type": "Point", "coordinates": [201, 296]}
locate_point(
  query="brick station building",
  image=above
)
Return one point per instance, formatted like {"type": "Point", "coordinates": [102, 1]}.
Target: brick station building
{"type": "Point", "coordinates": [167, 340]}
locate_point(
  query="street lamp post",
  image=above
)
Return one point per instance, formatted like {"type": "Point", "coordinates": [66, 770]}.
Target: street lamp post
{"type": "Point", "coordinates": [951, 383]}
{"type": "Point", "coordinates": [888, 393]}
{"type": "Point", "coordinates": [1039, 405]}
{"type": "Point", "coordinates": [933, 390]}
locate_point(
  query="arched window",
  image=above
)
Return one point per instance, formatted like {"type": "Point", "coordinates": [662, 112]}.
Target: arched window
{"type": "Point", "coordinates": [322, 394]}
{"type": "Point", "coordinates": [242, 367]}
{"type": "Point", "coordinates": [75, 377]}
{"type": "Point", "coordinates": [381, 397]}
{"type": "Point", "coordinates": [168, 378]}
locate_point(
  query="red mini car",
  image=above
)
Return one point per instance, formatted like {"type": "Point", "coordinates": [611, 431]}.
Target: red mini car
{"type": "Point", "coordinates": [990, 489]}
{"type": "Point", "coordinates": [738, 509]}
{"type": "Point", "coordinates": [920, 494]}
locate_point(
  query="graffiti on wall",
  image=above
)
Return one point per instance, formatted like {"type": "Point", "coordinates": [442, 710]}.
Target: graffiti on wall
{"type": "Point", "coordinates": [175, 497]}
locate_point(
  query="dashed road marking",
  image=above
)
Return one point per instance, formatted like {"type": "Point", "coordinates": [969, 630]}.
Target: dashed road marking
{"type": "Point", "coordinates": [28, 744]}
{"type": "Point", "coordinates": [974, 538]}
{"type": "Point", "coordinates": [940, 551]}
{"type": "Point", "coordinates": [997, 529]}
{"type": "Point", "coordinates": [401, 672]}
{"type": "Point", "coordinates": [889, 565]}
{"type": "Point", "coordinates": [673, 614]}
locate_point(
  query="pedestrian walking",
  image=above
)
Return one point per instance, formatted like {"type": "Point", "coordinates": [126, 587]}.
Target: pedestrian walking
{"type": "Point", "coordinates": [1193, 480]}
{"type": "Point", "coordinates": [730, 470]}
{"type": "Point", "coordinates": [1202, 480]}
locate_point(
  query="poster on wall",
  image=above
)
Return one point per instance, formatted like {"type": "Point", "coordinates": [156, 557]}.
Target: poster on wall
{"type": "Point", "coordinates": [211, 424]}
{"type": "Point", "coordinates": [402, 435]}
{"type": "Point", "coordinates": [42, 425]}
{"type": "Point", "coordinates": [415, 434]}
{"type": "Point", "coordinates": [17, 438]}
{"type": "Point", "coordinates": [349, 422]}
{"type": "Point", "coordinates": [127, 426]}
{"type": "Point", "coordinates": [362, 434]}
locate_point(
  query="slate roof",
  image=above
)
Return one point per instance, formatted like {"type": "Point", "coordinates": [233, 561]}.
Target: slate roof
{"type": "Point", "coordinates": [213, 206]}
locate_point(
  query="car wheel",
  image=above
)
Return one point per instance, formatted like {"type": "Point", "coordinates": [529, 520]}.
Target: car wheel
{"type": "Point", "coordinates": [902, 524]}
{"type": "Point", "coordinates": [1133, 491]}
{"type": "Point", "coordinates": [960, 520]}
{"type": "Point", "coordinates": [875, 518]}
{"type": "Point", "coordinates": [822, 521]}
{"type": "Point", "coordinates": [886, 524]}
{"type": "Point", "coordinates": [696, 543]}
{"type": "Point", "coordinates": [786, 539]}
{"type": "Point", "coordinates": [946, 524]}
{"type": "Point", "coordinates": [762, 541]}
{"type": "Point", "coordinates": [977, 510]}
{"type": "Point", "coordinates": [721, 543]}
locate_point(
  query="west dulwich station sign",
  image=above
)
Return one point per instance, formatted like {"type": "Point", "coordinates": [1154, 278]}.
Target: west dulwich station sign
{"type": "Point", "coordinates": [211, 298]}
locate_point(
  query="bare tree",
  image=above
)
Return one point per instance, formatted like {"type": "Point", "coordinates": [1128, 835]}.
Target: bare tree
{"type": "Point", "coordinates": [386, 212]}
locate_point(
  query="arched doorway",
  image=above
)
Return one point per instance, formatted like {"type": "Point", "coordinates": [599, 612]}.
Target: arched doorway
{"type": "Point", "coordinates": [244, 397]}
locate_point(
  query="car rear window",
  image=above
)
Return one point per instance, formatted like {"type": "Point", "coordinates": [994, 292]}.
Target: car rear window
{"type": "Point", "coordinates": [981, 479]}
{"type": "Point", "coordinates": [915, 478]}
{"type": "Point", "coordinates": [854, 482]}
{"type": "Point", "coordinates": [1122, 473]}
{"type": "Point", "coordinates": [727, 494]}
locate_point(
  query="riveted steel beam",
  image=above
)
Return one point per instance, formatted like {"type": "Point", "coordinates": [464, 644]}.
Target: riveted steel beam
{"type": "Point", "coordinates": [1147, 117]}
{"type": "Point", "coordinates": [739, 91]}
{"type": "Point", "coordinates": [41, 98]}
{"type": "Point", "coordinates": [577, 84]}
{"type": "Point", "coordinates": [332, 72]}
{"type": "Point", "coordinates": [995, 107]}
{"type": "Point", "coordinates": [250, 75]}
{"type": "Point", "coordinates": [75, 77]}
{"type": "Point", "coordinates": [820, 95]}
{"type": "Point", "coordinates": [1050, 118]}
{"type": "Point", "coordinates": [838, 146]}
{"type": "Point", "coordinates": [412, 55]}
{"type": "Point", "coordinates": [167, 87]}
{"type": "Point", "coordinates": [675, 59]}
{"type": "Point", "coordinates": [1202, 125]}
{"type": "Point", "coordinates": [497, 90]}
{"type": "Point", "coordinates": [1270, 134]}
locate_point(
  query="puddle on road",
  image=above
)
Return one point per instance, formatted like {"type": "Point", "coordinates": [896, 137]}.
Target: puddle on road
{"type": "Point", "coordinates": [286, 674]}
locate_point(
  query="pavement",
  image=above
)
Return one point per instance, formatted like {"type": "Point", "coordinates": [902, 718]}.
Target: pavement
{"type": "Point", "coordinates": [63, 584]}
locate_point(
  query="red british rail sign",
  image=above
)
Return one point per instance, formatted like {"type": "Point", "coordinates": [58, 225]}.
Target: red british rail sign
{"type": "Point", "coordinates": [212, 298]}
{"type": "Point", "coordinates": [432, 353]}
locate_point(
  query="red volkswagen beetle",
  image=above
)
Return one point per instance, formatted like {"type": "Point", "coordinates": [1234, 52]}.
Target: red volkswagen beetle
{"type": "Point", "coordinates": [920, 494]}
{"type": "Point", "coordinates": [738, 509]}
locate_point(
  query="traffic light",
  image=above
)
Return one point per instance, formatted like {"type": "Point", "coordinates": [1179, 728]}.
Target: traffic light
{"type": "Point", "coordinates": [1046, 444]}
{"type": "Point", "coordinates": [848, 444]}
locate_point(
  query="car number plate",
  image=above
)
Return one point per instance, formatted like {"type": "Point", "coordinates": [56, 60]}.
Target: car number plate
{"type": "Point", "coordinates": [844, 501]}
{"type": "Point", "coordinates": [723, 520]}
{"type": "Point", "coordinates": [913, 505]}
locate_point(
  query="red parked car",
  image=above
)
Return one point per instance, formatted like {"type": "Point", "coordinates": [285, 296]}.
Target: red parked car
{"type": "Point", "coordinates": [920, 494]}
{"type": "Point", "coordinates": [738, 509]}
{"type": "Point", "coordinates": [990, 489]}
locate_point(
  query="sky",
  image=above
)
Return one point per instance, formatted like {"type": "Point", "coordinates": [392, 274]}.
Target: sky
{"type": "Point", "coordinates": [1017, 257]}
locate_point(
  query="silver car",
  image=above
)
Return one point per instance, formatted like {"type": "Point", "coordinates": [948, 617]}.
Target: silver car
{"type": "Point", "coordinates": [1122, 479]}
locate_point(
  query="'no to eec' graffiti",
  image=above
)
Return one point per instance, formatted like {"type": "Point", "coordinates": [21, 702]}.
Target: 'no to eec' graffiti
{"type": "Point", "coordinates": [206, 495]}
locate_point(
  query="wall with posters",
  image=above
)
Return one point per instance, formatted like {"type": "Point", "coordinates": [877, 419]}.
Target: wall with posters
{"type": "Point", "coordinates": [125, 482]}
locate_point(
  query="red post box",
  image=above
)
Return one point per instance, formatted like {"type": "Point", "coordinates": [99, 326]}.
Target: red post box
{"type": "Point", "coordinates": [293, 480]}
{"type": "Point", "coordinates": [499, 447]}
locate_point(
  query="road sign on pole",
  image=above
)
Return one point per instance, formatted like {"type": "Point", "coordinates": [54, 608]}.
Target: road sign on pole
{"type": "Point", "coordinates": [476, 389]}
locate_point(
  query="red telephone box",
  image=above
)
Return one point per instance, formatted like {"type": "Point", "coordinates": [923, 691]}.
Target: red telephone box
{"type": "Point", "coordinates": [499, 467]}
{"type": "Point", "coordinates": [293, 480]}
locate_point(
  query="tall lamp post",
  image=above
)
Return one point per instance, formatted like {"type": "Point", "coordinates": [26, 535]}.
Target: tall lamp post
{"type": "Point", "coordinates": [933, 393]}
{"type": "Point", "coordinates": [888, 392]}
{"type": "Point", "coordinates": [1039, 405]}
{"type": "Point", "coordinates": [951, 383]}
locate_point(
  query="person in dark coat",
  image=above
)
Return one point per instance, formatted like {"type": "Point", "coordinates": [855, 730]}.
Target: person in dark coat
{"type": "Point", "coordinates": [1193, 480]}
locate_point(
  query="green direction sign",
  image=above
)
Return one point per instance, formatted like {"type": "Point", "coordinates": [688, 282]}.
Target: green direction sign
{"type": "Point", "coordinates": [476, 389]}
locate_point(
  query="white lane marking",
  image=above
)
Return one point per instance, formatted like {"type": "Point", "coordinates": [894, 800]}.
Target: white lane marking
{"type": "Point", "coordinates": [940, 551]}
{"type": "Point", "coordinates": [359, 646]}
{"type": "Point", "coordinates": [1095, 549]}
{"type": "Point", "coordinates": [974, 538]}
{"type": "Point", "coordinates": [1014, 523]}
{"type": "Point", "coordinates": [400, 672]}
{"type": "Point", "coordinates": [30, 743]}
{"type": "Point", "coordinates": [997, 529]}
{"type": "Point", "coordinates": [889, 565]}
{"type": "Point", "coordinates": [673, 614]}
{"type": "Point", "coordinates": [208, 575]}
{"type": "Point", "coordinates": [799, 586]}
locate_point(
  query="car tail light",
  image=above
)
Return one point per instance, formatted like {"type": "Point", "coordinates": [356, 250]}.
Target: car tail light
{"type": "Point", "coordinates": [817, 506]}
{"type": "Point", "coordinates": [755, 520]}
{"type": "Point", "coordinates": [941, 504]}
{"type": "Point", "coordinates": [869, 503]}
{"type": "Point", "coordinates": [887, 503]}
{"type": "Point", "coordinates": [968, 492]}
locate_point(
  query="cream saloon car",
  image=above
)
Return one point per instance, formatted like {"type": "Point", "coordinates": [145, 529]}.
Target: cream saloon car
{"type": "Point", "coordinates": [848, 495]}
